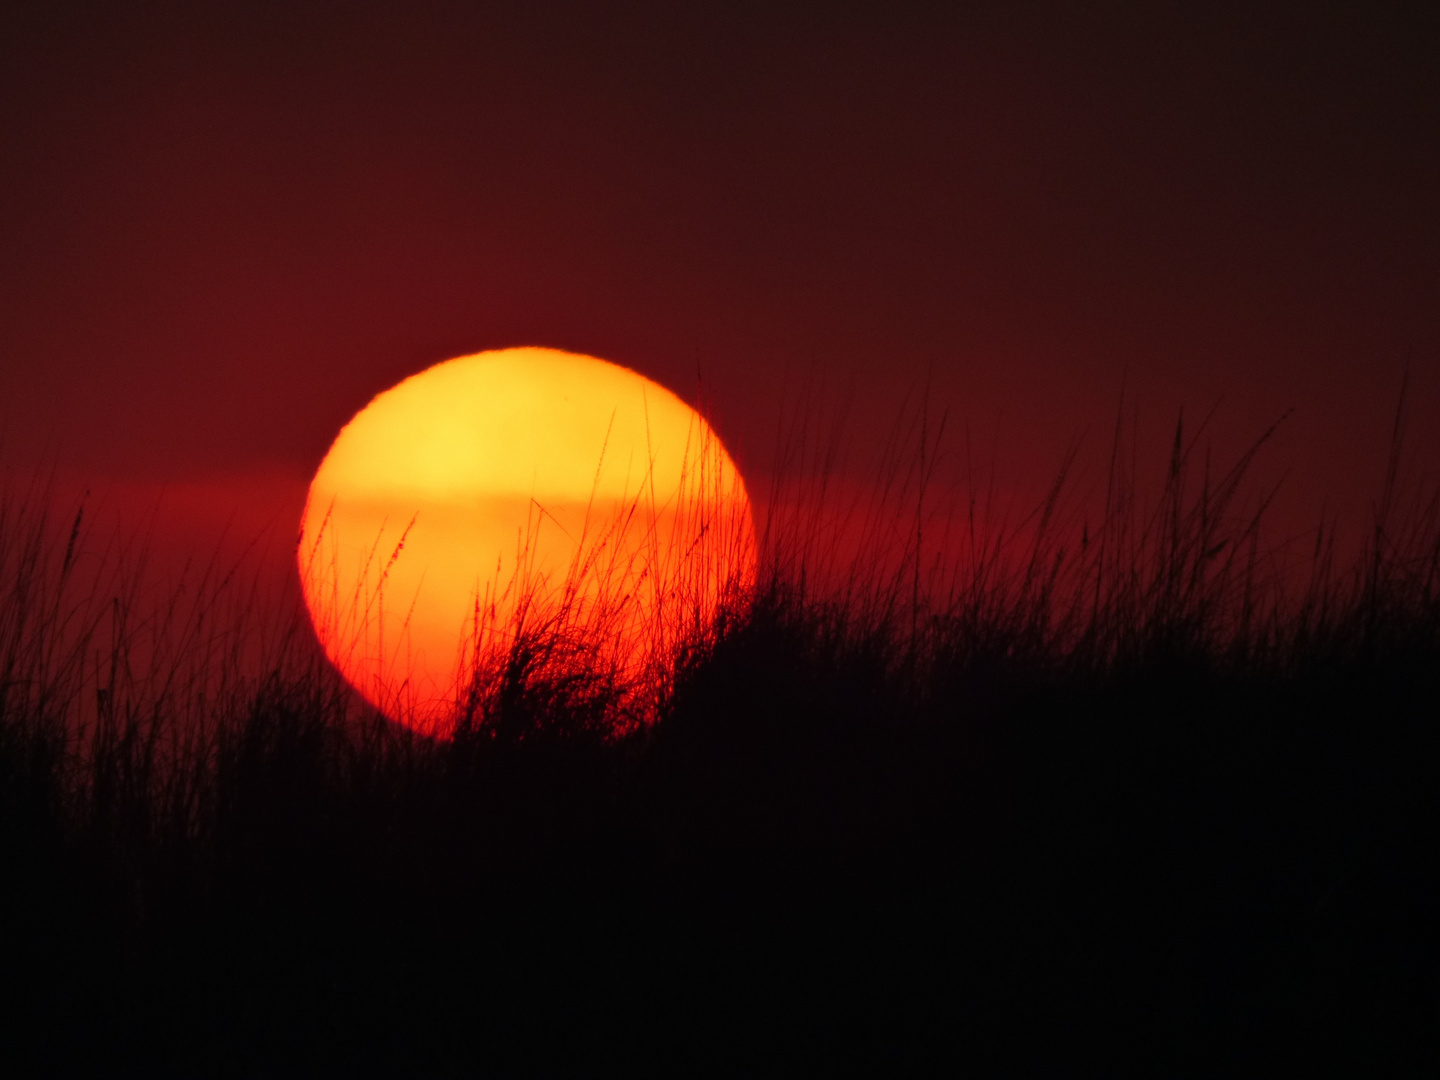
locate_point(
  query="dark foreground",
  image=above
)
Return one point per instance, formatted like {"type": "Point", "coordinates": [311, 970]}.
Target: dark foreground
{"type": "Point", "coordinates": [1171, 864]}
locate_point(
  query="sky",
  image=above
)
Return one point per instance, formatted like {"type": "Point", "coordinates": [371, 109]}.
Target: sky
{"type": "Point", "coordinates": [224, 228]}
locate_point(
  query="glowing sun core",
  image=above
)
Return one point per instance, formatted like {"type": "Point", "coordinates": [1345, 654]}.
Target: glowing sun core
{"type": "Point", "coordinates": [509, 490]}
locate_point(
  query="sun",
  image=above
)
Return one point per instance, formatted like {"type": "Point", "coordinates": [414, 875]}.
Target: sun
{"type": "Point", "coordinates": [513, 492]}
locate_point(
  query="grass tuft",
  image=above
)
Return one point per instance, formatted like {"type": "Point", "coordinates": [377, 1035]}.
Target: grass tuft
{"type": "Point", "coordinates": [1114, 784]}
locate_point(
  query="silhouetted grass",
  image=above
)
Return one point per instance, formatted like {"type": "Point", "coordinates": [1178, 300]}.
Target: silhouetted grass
{"type": "Point", "coordinates": [1073, 793]}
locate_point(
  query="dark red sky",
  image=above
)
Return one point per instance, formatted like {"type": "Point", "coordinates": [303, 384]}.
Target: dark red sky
{"type": "Point", "coordinates": [224, 229]}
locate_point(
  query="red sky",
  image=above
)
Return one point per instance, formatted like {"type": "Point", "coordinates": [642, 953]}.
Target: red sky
{"type": "Point", "coordinates": [222, 230]}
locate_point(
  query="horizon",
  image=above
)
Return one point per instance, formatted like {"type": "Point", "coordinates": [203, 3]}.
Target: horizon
{"type": "Point", "coordinates": [226, 232]}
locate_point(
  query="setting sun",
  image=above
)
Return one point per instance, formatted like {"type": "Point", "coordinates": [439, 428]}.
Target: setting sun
{"type": "Point", "coordinates": [516, 492]}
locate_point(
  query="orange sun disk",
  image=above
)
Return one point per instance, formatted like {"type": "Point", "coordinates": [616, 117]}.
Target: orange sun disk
{"type": "Point", "coordinates": [511, 492]}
